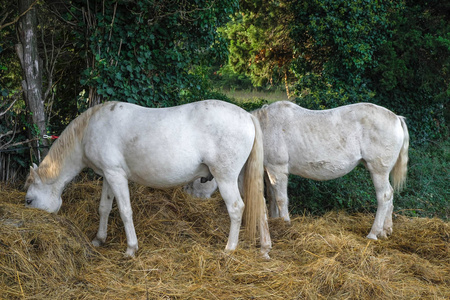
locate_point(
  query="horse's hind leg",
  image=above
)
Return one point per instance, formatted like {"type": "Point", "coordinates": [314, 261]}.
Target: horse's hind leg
{"type": "Point", "coordinates": [278, 184]}
{"type": "Point", "coordinates": [387, 227]}
{"type": "Point", "coordinates": [104, 210]}
{"type": "Point", "coordinates": [235, 207]}
{"type": "Point", "coordinates": [383, 222]}
{"type": "Point", "coordinates": [273, 207]}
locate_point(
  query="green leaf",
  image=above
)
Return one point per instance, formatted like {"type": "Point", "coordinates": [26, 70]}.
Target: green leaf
{"type": "Point", "coordinates": [110, 91]}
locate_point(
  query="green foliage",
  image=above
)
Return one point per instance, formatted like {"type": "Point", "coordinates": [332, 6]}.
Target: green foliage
{"type": "Point", "coordinates": [205, 90]}
{"type": "Point", "coordinates": [145, 50]}
{"type": "Point", "coordinates": [318, 95]}
{"type": "Point", "coordinates": [260, 46]}
{"type": "Point", "coordinates": [338, 39]}
{"type": "Point", "coordinates": [353, 192]}
{"type": "Point", "coordinates": [413, 71]}
{"type": "Point", "coordinates": [226, 79]}
{"type": "Point", "coordinates": [335, 43]}
{"type": "Point", "coordinates": [251, 104]}
{"type": "Point", "coordinates": [12, 131]}
{"type": "Point", "coordinates": [427, 193]}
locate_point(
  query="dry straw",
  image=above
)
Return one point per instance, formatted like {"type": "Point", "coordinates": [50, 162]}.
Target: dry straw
{"type": "Point", "coordinates": [181, 239]}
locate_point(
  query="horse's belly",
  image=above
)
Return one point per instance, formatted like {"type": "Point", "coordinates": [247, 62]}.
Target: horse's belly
{"type": "Point", "coordinates": [324, 158]}
{"type": "Point", "coordinates": [322, 169]}
{"type": "Point", "coordinates": [159, 175]}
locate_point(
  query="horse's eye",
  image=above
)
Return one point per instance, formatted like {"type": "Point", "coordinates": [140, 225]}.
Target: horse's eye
{"type": "Point", "coordinates": [28, 201]}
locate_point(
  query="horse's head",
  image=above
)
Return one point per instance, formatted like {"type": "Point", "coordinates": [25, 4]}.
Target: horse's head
{"type": "Point", "coordinates": [40, 194]}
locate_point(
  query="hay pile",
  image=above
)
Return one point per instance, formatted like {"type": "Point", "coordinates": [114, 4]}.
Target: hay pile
{"type": "Point", "coordinates": [180, 256]}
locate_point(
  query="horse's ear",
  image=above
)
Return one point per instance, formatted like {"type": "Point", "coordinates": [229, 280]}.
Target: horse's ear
{"type": "Point", "coordinates": [34, 176]}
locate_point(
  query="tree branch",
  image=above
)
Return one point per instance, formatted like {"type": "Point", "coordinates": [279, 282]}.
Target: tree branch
{"type": "Point", "coordinates": [19, 16]}
{"type": "Point", "coordinates": [10, 106]}
{"type": "Point", "coordinates": [5, 134]}
{"type": "Point", "coordinates": [18, 143]}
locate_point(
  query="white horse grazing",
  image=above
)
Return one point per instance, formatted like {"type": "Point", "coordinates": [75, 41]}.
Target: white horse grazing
{"type": "Point", "coordinates": [327, 144]}
{"type": "Point", "coordinates": [160, 148]}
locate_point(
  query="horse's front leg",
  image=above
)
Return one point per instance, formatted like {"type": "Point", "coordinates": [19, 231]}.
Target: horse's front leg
{"type": "Point", "coordinates": [119, 185]}
{"type": "Point", "coordinates": [104, 210]}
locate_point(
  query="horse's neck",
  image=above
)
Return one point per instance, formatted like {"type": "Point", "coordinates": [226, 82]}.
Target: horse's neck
{"type": "Point", "coordinates": [61, 171]}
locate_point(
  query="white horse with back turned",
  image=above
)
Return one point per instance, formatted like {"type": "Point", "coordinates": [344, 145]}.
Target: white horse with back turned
{"type": "Point", "coordinates": [327, 144]}
{"type": "Point", "coordinates": [160, 148]}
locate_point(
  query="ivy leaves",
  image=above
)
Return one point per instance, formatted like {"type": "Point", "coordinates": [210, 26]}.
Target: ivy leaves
{"type": "Point", "coordinates": [339, 38]}
{"type": "Point", "coordinates": [145, 51]}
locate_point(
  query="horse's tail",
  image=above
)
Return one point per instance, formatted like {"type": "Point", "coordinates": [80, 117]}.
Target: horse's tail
{"type": "Point", "coordinates": [401, 166]}
{"type": "Point", "coordinates": [254, 184]}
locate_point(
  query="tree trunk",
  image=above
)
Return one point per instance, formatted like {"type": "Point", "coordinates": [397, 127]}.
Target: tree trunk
{"type": "Point", "coordinates": [27, 51]}
{"type": "Point", "coordinates": [286, 85]}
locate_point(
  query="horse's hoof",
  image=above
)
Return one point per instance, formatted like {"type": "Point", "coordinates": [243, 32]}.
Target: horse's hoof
{"type": "Point", "coordinates": [383, 235]}
{"type": "Point", "coordinates": [96, 242]}
{"type": "Point", "coordinates": [266, 256]}
{"type": "Point", "coordinates": [388, 231]}
{"type": "Point", "coordinates": [274, 215]}
{"type": "Point", "coordinates": [372, 236]}
{"type": "Point", "coordinates": [131, 250]}
{"type": "Point", "coordinates": [130, 253]}
{"type": "Point", "coordinates": [265, 251]}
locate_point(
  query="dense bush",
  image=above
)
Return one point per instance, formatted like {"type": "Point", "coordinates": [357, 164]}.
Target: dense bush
{"type": "Point", "coordinates": [147, 57]}
{"type": "Point", "coordinates": [427, 192]}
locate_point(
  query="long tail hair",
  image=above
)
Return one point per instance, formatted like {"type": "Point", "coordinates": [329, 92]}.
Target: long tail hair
{"type": "Point", "coordinates": [401, 166]}
{"type": "Point", "coordinates": [254, 185]}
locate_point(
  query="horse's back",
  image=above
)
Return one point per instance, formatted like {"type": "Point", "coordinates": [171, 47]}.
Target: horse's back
{"type": "Point", "coordinates": [168, 146]}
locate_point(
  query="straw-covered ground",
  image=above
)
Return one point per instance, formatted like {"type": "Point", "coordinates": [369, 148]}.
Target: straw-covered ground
{"type": "Point", "coordinates": [181, 240]}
